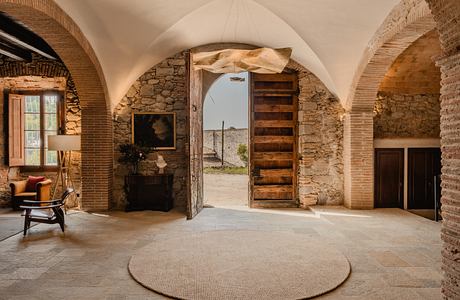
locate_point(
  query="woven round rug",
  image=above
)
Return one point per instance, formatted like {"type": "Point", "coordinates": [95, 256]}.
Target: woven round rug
{"type": "Point", "coordinates": [239, 265]}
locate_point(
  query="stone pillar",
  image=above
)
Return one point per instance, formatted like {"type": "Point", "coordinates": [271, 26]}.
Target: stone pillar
{"type": "Point", "coordinates": [358, 156]}
{"type": "Point", "coordinates": [450, 143]}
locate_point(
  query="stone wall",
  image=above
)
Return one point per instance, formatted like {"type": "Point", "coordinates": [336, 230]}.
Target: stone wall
{"type": "Point", "coordinates": [39, 74]}
{"type": "Point", "coordinates": [163, 88]}
{"type": "Point", "coordinates": [403, 116]}
{"type": "Point", "coordinates": [320, 130]}
{"type": "Point", "coordinates": [212, 141]}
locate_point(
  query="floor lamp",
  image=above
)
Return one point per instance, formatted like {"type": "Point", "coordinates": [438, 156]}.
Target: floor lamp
{"type": "Point", "coordinates": [64, 145]}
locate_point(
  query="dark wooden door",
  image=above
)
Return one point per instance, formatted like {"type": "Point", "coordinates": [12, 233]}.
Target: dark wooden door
{"type": "Point", "coordinates": [273, 140]}
{"type": "Point", "coordinates": [424, 164]}
{"type": "Point", "coordinates": [194, 146]}
{"type": "Point", "coordinates": [389, 178]}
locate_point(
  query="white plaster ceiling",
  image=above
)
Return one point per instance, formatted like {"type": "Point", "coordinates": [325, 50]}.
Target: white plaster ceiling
{"type": "Point", "coordinates": [328, 37]}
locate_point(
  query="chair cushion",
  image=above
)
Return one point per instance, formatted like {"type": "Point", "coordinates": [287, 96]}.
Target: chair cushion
{"type": "Point", "coordinates": [32, 182]}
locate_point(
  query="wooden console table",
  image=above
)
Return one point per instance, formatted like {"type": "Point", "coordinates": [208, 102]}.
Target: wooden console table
{"type": "Point", "coordinates": [152, 192]}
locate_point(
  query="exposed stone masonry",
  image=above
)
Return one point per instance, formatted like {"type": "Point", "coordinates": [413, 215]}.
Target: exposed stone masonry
{"type": "Point", "coordinates": [403, 116]}
{"type": "Point", "coordinates": [320, 144]}
{"type": "Point", "coordinates": [161, 89]}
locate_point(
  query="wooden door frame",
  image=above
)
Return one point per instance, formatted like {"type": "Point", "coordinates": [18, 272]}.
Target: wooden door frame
{"type": "Point", "coordinates": [194, 206]}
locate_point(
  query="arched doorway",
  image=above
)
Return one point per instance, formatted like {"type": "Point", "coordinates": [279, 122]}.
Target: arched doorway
{"type": "Point", "coordinates": [412, 21]}
{"type": "Point", "coordinates": [396, 31]}
{"type": "Point", "coordinates": [225, 141]}
{"type": "Point", "coordinates": [47, 19]}
{"type": "Point", "coordinates": [273, 137]}
{"type": "Point", "coordinates": [407, 130]}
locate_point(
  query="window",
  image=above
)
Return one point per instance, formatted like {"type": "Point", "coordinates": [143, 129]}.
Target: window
{"type": "Point", "coordinates": [34, 116]}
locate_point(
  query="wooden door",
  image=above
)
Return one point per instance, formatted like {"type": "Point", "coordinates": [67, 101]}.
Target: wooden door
{"type": "Point", "coordinates": [424, 164]}
{"type": "Point", "coordinates": [194, 146]}
{"type": "Point", "coordinates": [389, 178]}
{"type": "Point", "coordinates": [273, 140]}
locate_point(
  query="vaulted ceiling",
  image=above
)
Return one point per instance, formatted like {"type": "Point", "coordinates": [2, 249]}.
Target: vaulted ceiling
{"type": "Point", "coordinates": [414, 71]}
{"type": "Point", "coordinates": [327, 36]}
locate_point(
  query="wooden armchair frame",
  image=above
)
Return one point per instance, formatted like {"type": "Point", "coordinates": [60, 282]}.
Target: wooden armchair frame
{"type": "Point", "coordinates": [49, 212]}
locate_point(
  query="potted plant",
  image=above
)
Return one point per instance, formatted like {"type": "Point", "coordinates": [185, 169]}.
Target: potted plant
{"type": "Point", "coordinates": [132, 154]}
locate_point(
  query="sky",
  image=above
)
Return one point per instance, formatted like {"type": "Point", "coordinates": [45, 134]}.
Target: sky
{"type": "Point", "coordinates": [227, 101]}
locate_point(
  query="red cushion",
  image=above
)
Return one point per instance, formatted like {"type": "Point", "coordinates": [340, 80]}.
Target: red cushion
{"type": "Point", "coordinates": [32, 182]}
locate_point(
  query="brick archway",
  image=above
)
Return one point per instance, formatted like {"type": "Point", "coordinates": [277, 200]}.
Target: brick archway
{"type": "Point", "coordinates": [407, 22]}
{"type": "Point", "coordinates": [49, 21]}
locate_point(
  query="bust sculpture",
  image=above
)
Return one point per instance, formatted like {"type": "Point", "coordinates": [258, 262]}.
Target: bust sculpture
{"type": "Point", "coordinates": [161, 164]}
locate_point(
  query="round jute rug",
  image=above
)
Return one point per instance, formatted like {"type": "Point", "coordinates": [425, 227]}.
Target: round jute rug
{"type": "Point", "coordinates": [240, 265]}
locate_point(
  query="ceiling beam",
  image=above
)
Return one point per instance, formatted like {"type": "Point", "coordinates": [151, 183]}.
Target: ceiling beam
{"type": "Point", "coordinates": [20, 35]}
{"type": "Point", "coordinates": [14, 51]}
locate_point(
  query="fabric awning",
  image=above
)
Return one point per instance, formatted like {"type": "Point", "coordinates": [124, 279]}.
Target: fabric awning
{"type": "Point", "coordinates": [261, 60]}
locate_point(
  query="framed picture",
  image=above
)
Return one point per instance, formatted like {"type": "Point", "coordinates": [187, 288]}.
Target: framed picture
{"type": "Point", "coordinates": [156, 130]}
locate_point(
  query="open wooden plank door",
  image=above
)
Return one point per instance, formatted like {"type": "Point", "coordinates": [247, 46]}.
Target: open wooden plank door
{"type": "Point", "coordinates": [195, 142]}
{"type": "Point", "coordinates": [273, 140]}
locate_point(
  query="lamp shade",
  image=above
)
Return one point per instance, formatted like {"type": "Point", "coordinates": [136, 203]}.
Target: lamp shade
{"type": "Point", "coordinates": [64, 142]}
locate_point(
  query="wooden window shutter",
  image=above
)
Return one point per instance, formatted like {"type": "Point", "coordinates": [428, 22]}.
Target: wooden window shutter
{"type": "Point", "coordinates": [16, 130]}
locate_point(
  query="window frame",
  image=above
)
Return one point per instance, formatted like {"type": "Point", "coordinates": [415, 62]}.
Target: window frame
{"type": "Point", "coordinates": [61, 117]}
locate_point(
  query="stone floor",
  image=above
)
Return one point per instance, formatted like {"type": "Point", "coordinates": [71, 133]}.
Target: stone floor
{"type": "Point", "coordinates": [394, 254]}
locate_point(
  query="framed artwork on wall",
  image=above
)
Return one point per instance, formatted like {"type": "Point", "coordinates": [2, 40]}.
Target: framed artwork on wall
{"type": "Point", "coordinates": [155, 130]}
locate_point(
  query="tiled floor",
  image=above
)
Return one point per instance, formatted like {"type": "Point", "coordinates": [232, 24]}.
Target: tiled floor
{"type": "Point", "coordinates": [394, 254]}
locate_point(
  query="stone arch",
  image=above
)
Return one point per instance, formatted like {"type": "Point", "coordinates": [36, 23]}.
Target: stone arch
{"type": "Point", "coordinates": [358, 135]}
{"type": "Point", "coordinates": [413, 20]}
{"type": "Point", "coordinates": [407, 22]}
{"type": "Point", "coordinates": [49, 21]}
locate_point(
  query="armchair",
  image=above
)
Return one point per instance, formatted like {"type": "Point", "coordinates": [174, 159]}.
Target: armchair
{"type": "Point", "coordinates": [49, 212]}
{"type": "Point", "coordinates": [19, 194]}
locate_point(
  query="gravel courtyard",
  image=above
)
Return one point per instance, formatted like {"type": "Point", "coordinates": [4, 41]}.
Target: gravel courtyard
{"type": "Point", "coordinates": [225, 190]}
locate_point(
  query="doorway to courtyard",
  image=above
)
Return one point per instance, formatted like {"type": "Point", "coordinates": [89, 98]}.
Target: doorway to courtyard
{"type": "Point", "coordinates": [225, 141]}
{"type": "Point", "coordinates": [272, 131]}
{"type": "Point", "coordinates": [262, 157]}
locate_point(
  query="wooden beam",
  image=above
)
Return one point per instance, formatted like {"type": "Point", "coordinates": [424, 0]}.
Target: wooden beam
{"type": "Point", "coordinates": [14, 52]}
{"type": "Point", "coordinates": [273, 108]}
{"type": "Point", "coordinates": [20, 35]}
{"type": "Point", "coordinates": [273, 139]}
{"type": "Point", "coordinates": [274, 123]}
